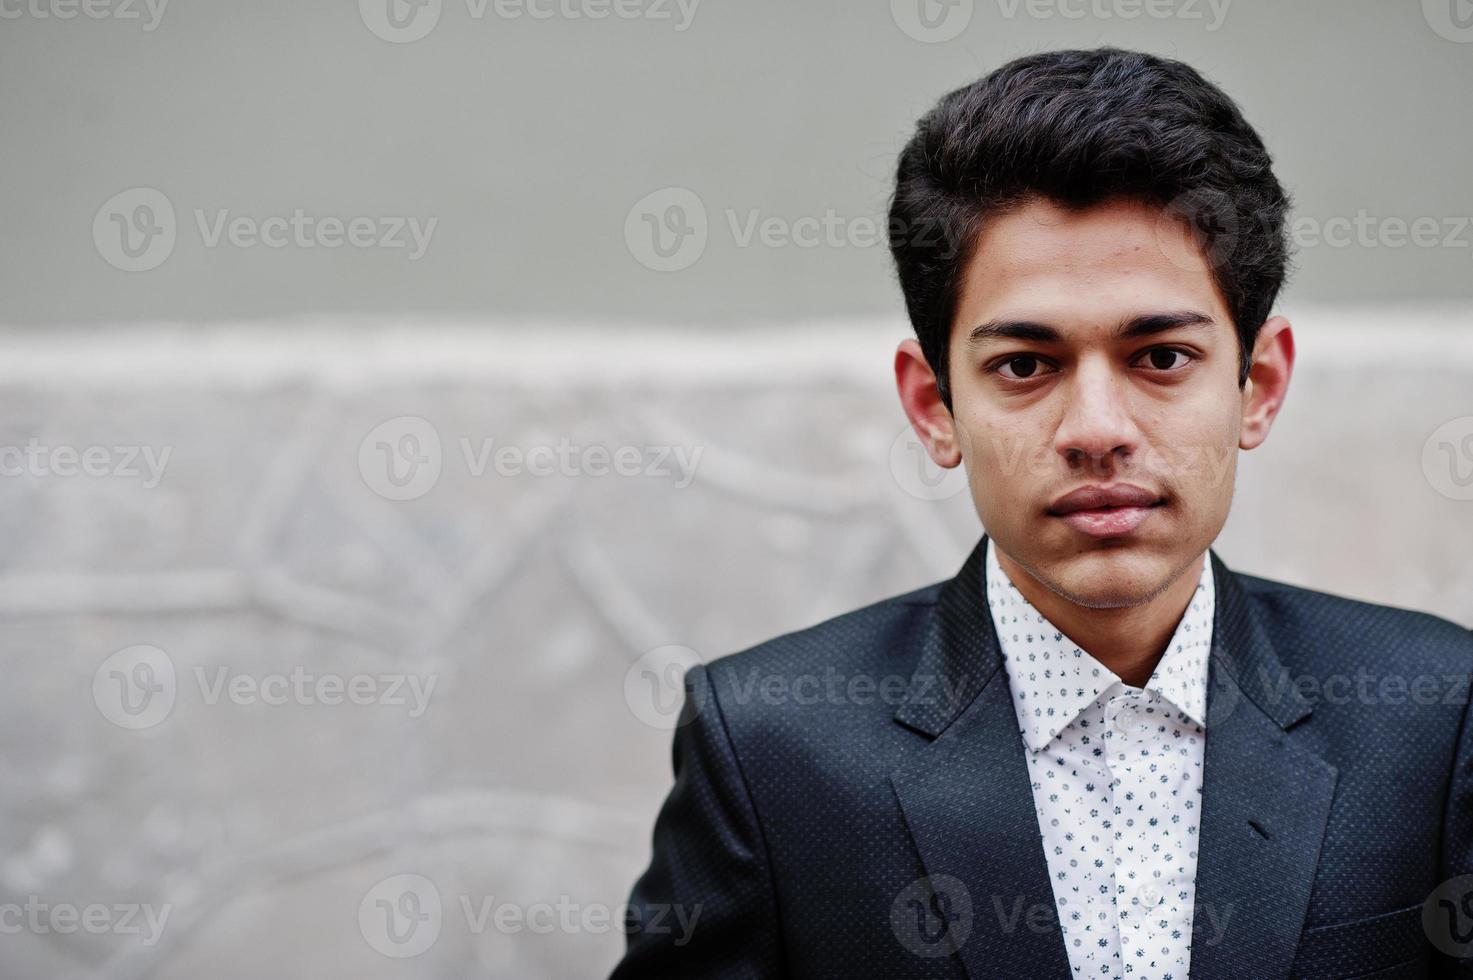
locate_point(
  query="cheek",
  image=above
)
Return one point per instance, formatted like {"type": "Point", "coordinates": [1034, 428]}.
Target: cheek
{"type": "Point", "coordinates": [993, 445]}
{"type": "Point", "coordinates": [1198, 452]}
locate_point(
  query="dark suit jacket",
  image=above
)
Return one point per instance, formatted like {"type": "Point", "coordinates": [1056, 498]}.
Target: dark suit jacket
{"type": "Point", "coordinates": [852, 800]}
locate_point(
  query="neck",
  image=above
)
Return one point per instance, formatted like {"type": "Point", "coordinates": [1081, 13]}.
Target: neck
{"type": "Point", "coordinates": [1130, 639]}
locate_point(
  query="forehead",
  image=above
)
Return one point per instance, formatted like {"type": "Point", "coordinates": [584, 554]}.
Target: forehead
{"type": "Point", "coordinates": [1085, 267]}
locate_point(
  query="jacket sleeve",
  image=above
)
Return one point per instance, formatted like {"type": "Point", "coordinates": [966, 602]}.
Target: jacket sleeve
{"type": "Point", "coordinates": [705, 907]}
{"type": "Point", "coordinates": [1456, 871]}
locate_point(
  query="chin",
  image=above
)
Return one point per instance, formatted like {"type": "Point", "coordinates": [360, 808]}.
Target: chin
{"type": "Point", "coordinates": [1110, 578]}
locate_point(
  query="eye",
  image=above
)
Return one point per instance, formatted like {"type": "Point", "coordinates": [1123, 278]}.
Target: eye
{"type": "Point", "coordinates": [1165, 358]}
{"type": "Point", "coordinates": [1022, 367]}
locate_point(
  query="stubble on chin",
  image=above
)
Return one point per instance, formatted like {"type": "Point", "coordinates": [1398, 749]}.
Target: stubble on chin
{"type": "Point", "coordinates": [1082, 586]}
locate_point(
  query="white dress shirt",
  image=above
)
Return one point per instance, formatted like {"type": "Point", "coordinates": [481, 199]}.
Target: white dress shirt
{"type": "Point", "coordinates": [1117, 782]}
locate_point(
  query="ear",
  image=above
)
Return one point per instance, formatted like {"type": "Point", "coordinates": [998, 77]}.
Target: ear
{"type": "Point", "coordinates": [922, 402]}
{"type": "Point", "coordinates": [1268, 381]}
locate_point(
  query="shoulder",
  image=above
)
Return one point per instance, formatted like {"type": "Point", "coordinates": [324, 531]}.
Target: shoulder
{"type": "Point", "coordinates": [872, 634]}
{"type": "Point", "coordinates": [850, 668]}
{"type": "Point", "coordinates": [1312, 629]}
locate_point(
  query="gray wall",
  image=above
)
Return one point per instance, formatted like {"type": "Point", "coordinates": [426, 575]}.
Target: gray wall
{"type": "Point", "coordinates": [531, 140]}
{"type": "Point", "coordinates": [240, 407]}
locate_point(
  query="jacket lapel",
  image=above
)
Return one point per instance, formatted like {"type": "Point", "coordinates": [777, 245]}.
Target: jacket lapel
{"type": "Point", "coordinates": [968, 801]}
{"type": "Point", "coordinates": [967, 796]}
{"type": "Point", "coordinates": [1265, 802]}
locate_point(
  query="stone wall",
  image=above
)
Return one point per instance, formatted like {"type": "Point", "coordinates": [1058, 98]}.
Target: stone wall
{"type": "Point", "coordinates": [296, 616]}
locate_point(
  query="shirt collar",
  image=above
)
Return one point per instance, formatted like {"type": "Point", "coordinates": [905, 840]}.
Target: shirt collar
{"type": "Point", "coordinates": [1053, 679]}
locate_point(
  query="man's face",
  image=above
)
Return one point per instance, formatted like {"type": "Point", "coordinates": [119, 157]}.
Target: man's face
{"type": "Point", "coordinates": [1093, 354]}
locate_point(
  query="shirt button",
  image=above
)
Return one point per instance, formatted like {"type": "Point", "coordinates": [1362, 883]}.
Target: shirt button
{"type": "Point", "coordinates": [1128, 719]}
{"type": "Point", "coordinates": [1147, 897]}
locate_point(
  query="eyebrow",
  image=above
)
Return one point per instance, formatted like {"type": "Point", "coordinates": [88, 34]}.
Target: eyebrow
{"type": "Point", "coordinates": [1131, 328]}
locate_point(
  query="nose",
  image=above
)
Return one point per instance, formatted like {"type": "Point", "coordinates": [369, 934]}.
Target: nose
{"type": "Point", "coordinates": [1097, 428]}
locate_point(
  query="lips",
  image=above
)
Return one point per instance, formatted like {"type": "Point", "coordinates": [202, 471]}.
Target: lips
{"type": "Point", "coordinates": [1106, 512]}
{"type": "Point", "coordinates": [1099, 498]}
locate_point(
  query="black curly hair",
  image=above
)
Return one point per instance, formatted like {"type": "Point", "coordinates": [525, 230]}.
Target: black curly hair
{"type": "Point", "coordinates": [1079, 127]}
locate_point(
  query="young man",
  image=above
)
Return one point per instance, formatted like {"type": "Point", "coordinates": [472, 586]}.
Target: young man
{"type": "Point", "coordinates": [1096, 751]}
